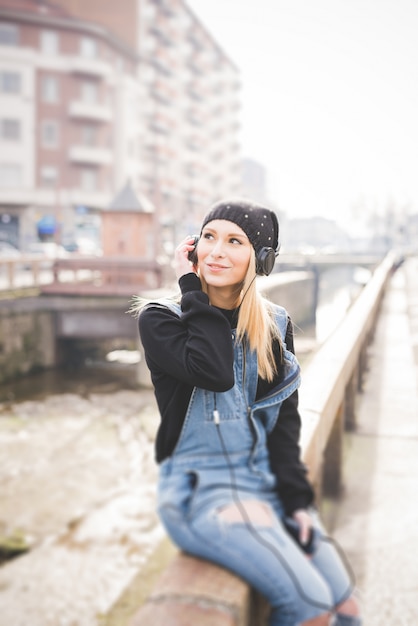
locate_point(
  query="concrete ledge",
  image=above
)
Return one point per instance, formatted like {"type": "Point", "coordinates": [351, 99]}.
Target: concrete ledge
{"type": "Point", "coordinates": [192, 591]}
{"type": "Point", "coordinates": [327, 390]}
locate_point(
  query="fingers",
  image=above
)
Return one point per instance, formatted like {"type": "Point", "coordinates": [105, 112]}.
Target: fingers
{"type": "Point", "coordinates": [304, 521]}
{"type": "Point", "coordinates": [187, 245]}
{"type": "Point", "coordinates": [182, 262]}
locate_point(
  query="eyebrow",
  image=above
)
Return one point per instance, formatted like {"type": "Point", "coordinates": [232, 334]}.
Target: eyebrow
{"type": "Point", "coordinates": [213, 230]}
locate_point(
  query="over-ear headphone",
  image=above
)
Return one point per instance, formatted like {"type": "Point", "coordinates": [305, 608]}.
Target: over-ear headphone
{"type": "Point", "coordinates": [264, 261]}
{"type": "Point", "coordinates": [265, 258]}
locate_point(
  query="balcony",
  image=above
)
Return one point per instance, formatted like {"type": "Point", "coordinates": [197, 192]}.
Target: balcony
{"type": "Point", "coordinates": [162, 92]}
{"type": "Point", "coordinates": [166, 7]}
{"type": "Point", "coordinates": [195, 117]}
{"type": "Point", "coordinates": [97, 199]}
{"type": "Point", "coordinates": [89, 67]}
{"type": "Point", "coordinates": [163, 32]}
{"type": "Point", "coordinates": [161, 124]}
{"type": "Point", "coordinates": [90, 155]}
{"type": "Point", "coordinates": [90, 111]}
{"type": "Point", "coordinates": [195, 92]}
{"type": "Point", "coordinates": [164, 62]}
{"type": "Point", "coordinates": [21, 196]}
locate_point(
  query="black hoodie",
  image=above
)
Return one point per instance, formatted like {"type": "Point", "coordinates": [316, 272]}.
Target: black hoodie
{"type": "Point", "coordinates": [196, 351]}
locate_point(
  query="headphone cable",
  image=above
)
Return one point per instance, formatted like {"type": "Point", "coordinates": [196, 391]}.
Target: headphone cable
{"type": "Point", "coordinates": [272, 548]}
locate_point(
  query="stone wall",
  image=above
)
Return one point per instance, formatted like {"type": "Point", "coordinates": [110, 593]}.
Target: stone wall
{"type": "Point", "coordinates": [295, 291]}
{"type": "Point", "coordinates": [27, 342]}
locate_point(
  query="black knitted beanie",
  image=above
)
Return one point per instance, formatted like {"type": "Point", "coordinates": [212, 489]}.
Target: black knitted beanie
{"type": "Point", "coordinates": [258, 223]}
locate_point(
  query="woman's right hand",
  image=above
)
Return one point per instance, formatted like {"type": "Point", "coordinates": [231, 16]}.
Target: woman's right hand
{"type": "Point", "coordinates": [182, 264]}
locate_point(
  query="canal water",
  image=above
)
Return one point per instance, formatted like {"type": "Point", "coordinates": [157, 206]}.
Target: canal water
{"type": "Point", "coordinates": [78, 480]}
{"type": "Point", "coordinates": [338, 288]}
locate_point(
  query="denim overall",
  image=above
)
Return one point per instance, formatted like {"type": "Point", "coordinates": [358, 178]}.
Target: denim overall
{"type": "Point", "coordinates": [221, 459]}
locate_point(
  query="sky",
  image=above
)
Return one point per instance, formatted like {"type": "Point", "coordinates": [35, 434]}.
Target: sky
{"type": "Point", "coordinates": [329, 100]}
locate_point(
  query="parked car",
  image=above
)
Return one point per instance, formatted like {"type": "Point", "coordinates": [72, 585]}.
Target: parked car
{"type": "Point", "coordinates": [49, 249]}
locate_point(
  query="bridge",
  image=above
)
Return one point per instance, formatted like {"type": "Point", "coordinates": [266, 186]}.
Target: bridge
{"type": "Point", "coordinates": [111, 276]}
{"type": "Point", "coordinates": [319, 261]}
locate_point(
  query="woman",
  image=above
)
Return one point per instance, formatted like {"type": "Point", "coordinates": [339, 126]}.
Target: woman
{"type": "Point", "coordinates": [226, 379]}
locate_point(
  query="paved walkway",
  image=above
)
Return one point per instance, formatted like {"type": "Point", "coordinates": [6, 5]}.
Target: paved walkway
{"type": "Point", "coordinates": [377, 521]}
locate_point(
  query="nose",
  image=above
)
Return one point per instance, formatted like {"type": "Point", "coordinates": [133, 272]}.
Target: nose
{"type": "Point", "coordinates": [217, 249]}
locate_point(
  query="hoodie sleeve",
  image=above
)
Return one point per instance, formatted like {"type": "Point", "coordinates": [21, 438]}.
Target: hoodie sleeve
{"type": "Point", "coordinates": [195, 348]}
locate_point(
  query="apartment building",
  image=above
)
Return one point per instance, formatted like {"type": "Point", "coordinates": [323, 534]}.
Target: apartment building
{"type": "Point", "coordinates": [95, 94]}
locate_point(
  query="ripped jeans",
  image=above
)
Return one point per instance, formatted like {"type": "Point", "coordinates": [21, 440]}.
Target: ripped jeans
{"type": "Point", "coordinates": [245, 534]}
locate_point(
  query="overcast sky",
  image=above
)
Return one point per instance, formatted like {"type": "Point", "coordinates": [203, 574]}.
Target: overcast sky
{"type": "Point", "coordinates": [329, 98]}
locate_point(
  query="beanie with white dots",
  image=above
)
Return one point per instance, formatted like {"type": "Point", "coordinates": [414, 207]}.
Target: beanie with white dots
{"type": "Point", "coordinates": [258, 223]}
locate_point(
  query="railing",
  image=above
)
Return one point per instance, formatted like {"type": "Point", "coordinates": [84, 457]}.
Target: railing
{"type": "Point", "coordinates": [80, 275]}
{"type": "Point", "coordinates": [24, 271]}
{"type": "Point", "coordinates": [104, 276]}
{"type": "Point", "coordinates": [192, 591]}
{"type": "Point", "coordinates": [332, 380]}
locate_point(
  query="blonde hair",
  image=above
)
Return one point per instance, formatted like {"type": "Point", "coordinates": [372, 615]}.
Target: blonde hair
{"type": "Point", "coordinates": [256, 323]}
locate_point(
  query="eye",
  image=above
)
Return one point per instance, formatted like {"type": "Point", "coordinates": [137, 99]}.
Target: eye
{"type": "Point", "coordinates": [207, 236]}
{"type": "Point", "coordinates": [235, 240]}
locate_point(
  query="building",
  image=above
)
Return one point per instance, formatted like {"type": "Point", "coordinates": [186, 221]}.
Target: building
{"type": "Point", "coordinates": [95, 94]}
{"type": "Point", "coordinates": [254, 180]}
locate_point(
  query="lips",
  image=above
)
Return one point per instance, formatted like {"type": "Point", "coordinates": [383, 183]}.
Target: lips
{"type": "Point", "coordinates": [215, 267]}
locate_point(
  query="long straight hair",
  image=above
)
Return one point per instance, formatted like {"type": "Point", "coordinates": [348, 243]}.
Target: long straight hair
{"type": "Point", "coordinates": [256, 323]}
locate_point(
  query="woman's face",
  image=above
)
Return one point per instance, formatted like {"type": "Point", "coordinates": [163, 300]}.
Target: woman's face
{"type": "Point", "coordinates": [223, 253]}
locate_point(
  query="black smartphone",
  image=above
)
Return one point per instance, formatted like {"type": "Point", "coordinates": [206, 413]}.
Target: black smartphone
{"type": "Point", "coordinates": [293, 529]}
{"type": "Point", "coordinates": [192, 256]}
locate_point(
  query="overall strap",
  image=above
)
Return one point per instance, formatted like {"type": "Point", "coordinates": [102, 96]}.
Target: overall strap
{"type": "Point", "coordinates": [282, 318]}
{"type": "Point", "coordinates": [168, 304]}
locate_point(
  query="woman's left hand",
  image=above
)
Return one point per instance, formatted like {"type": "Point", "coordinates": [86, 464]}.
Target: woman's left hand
{"type": "Point", "coordinates": [304, 521]}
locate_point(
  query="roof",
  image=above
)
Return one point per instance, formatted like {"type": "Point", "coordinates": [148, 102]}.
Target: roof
{"type": "Point", "coordinates": [127, 200]}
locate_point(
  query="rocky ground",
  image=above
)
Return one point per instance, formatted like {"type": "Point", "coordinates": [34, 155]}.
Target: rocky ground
{"type": "Point", "coordinates": [78, 492]}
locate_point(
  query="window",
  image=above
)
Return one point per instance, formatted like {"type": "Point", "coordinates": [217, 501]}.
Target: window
{"type": "Point", "coordinates": [89, 92]}
{"type": "Point", "coordinates": [10, 175]}
{"type": "Point", "coordinates": [88, 48]}
{"type": "Point", "coordinates": [10, 82]}
{"type": "Point", "coordinates": [49, 89]}
{"type": "Point", "coordinates": [120, 64]}
{"type": "Point", "coordinates": [89, 135]}
{"type": "Point", "coordinates": [49, 134]}
{"type": "Point", "coordinates": [49, 42]}
{"type": "Point", "coordinates": [10, 129]}
{"type": "Point", "coordinates": [49, 176]}
{"type": "Point", "coordinates": [88, 179]}
{"type": "Point", "coordinates": [9, 34]}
